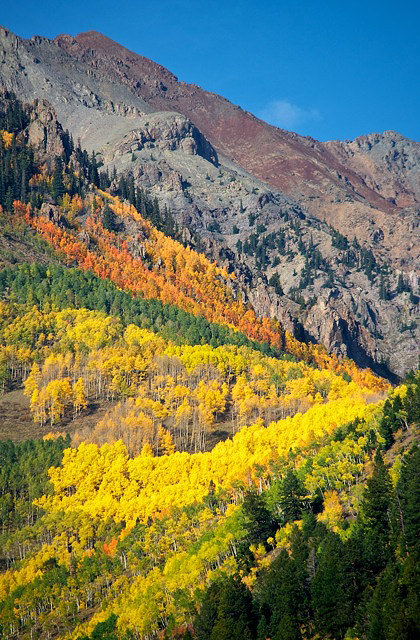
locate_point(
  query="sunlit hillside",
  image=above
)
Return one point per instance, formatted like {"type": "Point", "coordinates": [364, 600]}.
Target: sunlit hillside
{"type": "Point", "coordinates": [238, 483]}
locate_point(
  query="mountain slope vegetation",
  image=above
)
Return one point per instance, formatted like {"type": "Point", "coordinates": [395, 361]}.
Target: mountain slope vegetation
{"type": "Point", "coordinates": [236, 484]}
{"type": "Point", "coordinates": [322, 236]}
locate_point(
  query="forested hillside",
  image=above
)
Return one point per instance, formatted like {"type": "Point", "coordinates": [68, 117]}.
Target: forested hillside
{"type": "Point", "coordinates": [239, 483]}
{"type": "Point", "coordinates": [321, 236]}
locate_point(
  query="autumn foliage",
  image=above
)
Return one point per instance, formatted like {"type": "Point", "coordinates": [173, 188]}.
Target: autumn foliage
{"type": "Point", "coordinates": [157, 266]}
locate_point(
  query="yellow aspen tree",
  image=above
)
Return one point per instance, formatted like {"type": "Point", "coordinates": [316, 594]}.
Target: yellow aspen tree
{"type": "Point", "coordinates": [32, 381]}
{"type": "Point", "coordinates": [38, 407]}
{"type": "Point", "coordinates": [59, 395]}
{"type": "Point", "coordinates": [165, 442]}
{"type": "Point", "coordinates": [147, 450]}
{"type": "Point", "coordinates": [79, 397]}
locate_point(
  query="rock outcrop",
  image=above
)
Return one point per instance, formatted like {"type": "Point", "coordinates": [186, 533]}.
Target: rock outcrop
{"type": "Point", "coordinates": [45, 133]}
{"type": "Point", "coordinates": [168, 132]}
{"type": "Point", "coordinates": [264, 202]}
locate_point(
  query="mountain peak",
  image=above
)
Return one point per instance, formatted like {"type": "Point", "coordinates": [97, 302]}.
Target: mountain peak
{"type": "Point", "coordinates": [135, 113]}
{"type": "Point", "coordinates": [91, 38]}
{"type": "Point", "coordinates": [101, 44]}
{"type": "Point", "coordinates": [92, 45]}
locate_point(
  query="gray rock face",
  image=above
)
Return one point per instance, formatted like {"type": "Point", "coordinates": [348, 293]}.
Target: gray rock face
{"type": "Point", "coordinates": [388, 163]}
{"type": "Point", "coordinates": [168, 132]}
{"type": "Point", "coordinates": [304, 169]}
{"type": "Point", "coordinates": [242, 222]}
{"type": "Point", "coordinates": [44, 131]}
{"type": "Point", "coordinates": [83, 100]}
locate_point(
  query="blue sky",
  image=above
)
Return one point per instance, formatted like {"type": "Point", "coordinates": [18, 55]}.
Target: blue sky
{"type": "Point", "coordinates": [325, 68]}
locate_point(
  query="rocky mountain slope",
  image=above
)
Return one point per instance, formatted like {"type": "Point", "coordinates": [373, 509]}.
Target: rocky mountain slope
{"type": "Point", "coordinates": [314, 173]}
{"type": "Point", "coordinates": [281, 209]}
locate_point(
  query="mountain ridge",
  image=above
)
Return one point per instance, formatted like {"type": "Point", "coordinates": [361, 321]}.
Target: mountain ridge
{"type": "Point", "coordinates": [219, 477]}
{"type": "Point", "coordinates": [184, 154]}
{"type": "Point", "coordinates": [86, 45]}
{"type": "Point", "coordinates": [304, 169]}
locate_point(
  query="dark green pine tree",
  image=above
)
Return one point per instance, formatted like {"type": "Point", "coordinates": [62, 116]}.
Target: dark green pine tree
{"type": "Point", "coordinates": [411, 402]}
{"type": "Point", "coordinates": [2, 181]}
{"type": "Point", "coordinates": [23, 185]}
{"type": "Point", "coordinates": [206, 619]}
{"type": "Point", "coordinates": [57, 186]}
{"type": "Point", "coordinates": [387, 426]}
{"type": "Point", "coordinates": [301, 561]}
{"type": "Point", "coordinates": [290, 499]}
{"type": "Point", "coordinates": [409, 585]}
{"type": "Point", "coordinates": [226, 612]}
{"type": "Point", "coordinates": [139, 200]}
{"type": "Point", "coordinates": [331, 590]}
{"type": "Point", "coordinates": [377, 498]}
{"type": "Point", "coordinates": [155, 214]}
{"type": "Point", "coordinates": [131, 191]}
{"type": "Point", "coordinates": [393, 611]}
{"type": "Point", "coordinates": [274, 281]}
{"type": "Point", "coordinates": [122, 188]}
{"type": "Point", "coordinates": [72, 181]}
{"type": "Point", "coordinates": [109, 220]}
{"type": "Point", "coordinates": [277, 596]}
{"type": "Point", "coordinates": [263, 628]}
{"type": "Point", "coordinates": [93, 170]}
{"type": "Point", "coordinates": [375, 519]}
{"type": "Point", "coordinates": [407, 500]}
{"type": "Point", "coordinates": [258, 520]}
{"type": "Point", "coordinates": [401, 287]}
{"type": "Point", "coordinates": [374, 629]}
{"type": "Point", "coordinates": [8, 201]}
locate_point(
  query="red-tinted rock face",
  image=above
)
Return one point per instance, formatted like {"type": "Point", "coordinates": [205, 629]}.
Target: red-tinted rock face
{"type": "Point", "coordinates": [287, 161]}
{"type": "Point", "coordinates": [357, 187]}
